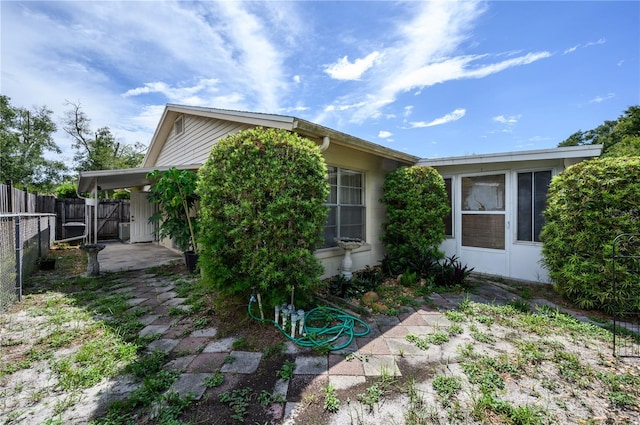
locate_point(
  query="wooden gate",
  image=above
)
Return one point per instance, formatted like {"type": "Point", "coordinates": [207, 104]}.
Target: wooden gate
{"type": "Point", "coordinates": [111, 212]}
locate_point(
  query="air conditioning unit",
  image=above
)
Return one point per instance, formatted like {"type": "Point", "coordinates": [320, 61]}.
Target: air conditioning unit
{"type": "Point", "coordinates": [124, 231]}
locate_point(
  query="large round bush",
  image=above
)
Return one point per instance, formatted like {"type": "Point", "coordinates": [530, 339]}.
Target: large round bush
{"type": "Point", "coordinates": [416, 204]}
{"type": "Point", "coordinates": [588, 206]}
{"type": "Point", "coordinates": [261, 213]}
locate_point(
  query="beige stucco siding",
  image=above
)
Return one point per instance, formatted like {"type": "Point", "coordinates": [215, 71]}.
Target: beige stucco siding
{"type": "Point", "coordinates": [375, 169]}
{"type": "Point", "coordinates": [194, 144]}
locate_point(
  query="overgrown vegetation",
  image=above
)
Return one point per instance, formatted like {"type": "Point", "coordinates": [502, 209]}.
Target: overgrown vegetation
{"type": "Point", "coordinates": [416, 204]}
{"type": "Point", "coordinates": [262, 194]}
{"type": "Point", "coordinates": [588, 206]}
{"type": "Point", "coordinates": [173, 191]}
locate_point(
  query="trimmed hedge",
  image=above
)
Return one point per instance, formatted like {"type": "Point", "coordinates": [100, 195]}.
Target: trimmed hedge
{"type": "Point", "coordinates": [416, 204]}
{"type": "Point", "coordinates": [262, 194]}
{"type": "Point", "coordinates": [588, 206]}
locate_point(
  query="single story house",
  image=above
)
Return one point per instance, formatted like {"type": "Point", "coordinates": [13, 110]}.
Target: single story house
{"type": "Point", "coordinates": [357, 168]}
{"type": "Point", "coordinates": [496, 199]}
{"type": "Point", "coordinates": [496, 207]}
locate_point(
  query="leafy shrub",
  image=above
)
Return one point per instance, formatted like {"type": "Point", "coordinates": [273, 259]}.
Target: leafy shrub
{"type": "Point", "coordinates": [262, 213]}
{"type": "Point", "coordinates": [363, 281]}
{"type": "Point", "coordinates": [66, 190]}
{"type": "Point", "coordinates": [588, 206]}
{"type": "Point", "coordinates": [450, 273]}
{"type": "Point", "coordinates": [174, 193]}
{"type": "Point", "coordinates": [416, 203]}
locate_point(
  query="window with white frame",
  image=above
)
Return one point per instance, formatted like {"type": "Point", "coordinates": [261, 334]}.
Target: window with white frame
{"type": "Point", "coordinates": [483, 211]}
{"type": "Point", "coordinates": [532, 200]}
{"type": "Point", "coordinates": [346, 216]}
{"type": "Point", "coordinates": [448, 219]}
{"type": "Point", "coordinates": [178, 126]}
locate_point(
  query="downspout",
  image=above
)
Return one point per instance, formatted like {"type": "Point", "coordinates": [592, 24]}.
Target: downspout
{"type": "Point", "coordinates": [325, 143]}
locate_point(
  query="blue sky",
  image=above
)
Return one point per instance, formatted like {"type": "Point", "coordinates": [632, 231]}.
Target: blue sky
{"type": "Point", "coordinates": [432, 79]}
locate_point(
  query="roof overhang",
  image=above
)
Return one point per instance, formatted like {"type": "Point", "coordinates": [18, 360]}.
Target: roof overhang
{"type": "Point", "coordinates": [119, 179]}
{"type": "Point", "coordinates": [305, 128]}
{"type": "Point", "coordinates": [565, 153]}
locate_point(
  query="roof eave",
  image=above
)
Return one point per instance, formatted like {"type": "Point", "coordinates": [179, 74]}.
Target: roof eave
{"type": "Point", "coordinates": [587, 151]}
{"type": "Point", "coordinates": [309, 128]}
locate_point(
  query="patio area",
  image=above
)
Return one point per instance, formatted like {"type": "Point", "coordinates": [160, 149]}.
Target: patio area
{"type": "Point", "coordinates": [118, 256]}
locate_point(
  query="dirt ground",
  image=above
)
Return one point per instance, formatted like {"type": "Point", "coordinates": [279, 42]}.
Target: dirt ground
{"type": "Point", "coordinates": [544, 371]}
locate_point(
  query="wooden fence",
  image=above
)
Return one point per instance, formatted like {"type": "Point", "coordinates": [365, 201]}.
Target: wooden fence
{"type": "Point", "coordinates": [14, 200]}
{"type": "Point", "coordinates": [70, 212]}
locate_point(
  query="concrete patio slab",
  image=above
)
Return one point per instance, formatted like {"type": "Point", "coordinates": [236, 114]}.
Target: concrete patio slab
{"type": "Point", "coordinates": [220, 346]}
{"type": "Point", "coordinates": [311, 365]}
{"type": "Point", "coordinates": [378, 365]}
{"type": "Point", "coordinates": [165, 345]}
{"type": "Point", "coordinates": [244, 362]}
{"type": "Point", "coordinates": [152, 330]}
{"type": "Point", "coordinates": [343, 382]}
{"type": "Point", "coordinates": [204, 333]}
{"type": "Point", "coordinates": [190, 383]}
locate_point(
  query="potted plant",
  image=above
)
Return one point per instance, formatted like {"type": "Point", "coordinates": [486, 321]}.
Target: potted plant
{"type": "Point", "coordinates": [173, 191]}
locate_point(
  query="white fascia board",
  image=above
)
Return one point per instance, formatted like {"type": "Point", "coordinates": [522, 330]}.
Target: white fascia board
{"type": "Point", "coordinates": [587, 151]}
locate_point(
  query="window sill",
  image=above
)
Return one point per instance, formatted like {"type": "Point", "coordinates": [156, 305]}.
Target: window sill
{"type": "Point", "coordinates": [336, 251]}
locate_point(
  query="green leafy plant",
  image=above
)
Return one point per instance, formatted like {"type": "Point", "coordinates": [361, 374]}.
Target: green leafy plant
{"type": "Point", "coordinates": [331, 400]}
{"type": "Point", "coordinates": [416, 204]}
{"type": "Point", "coordinates": [286, 371]}
{"type": "Point", "coordinates": [262, 213]}
{"type": "Point", "coordinates": [174, 193]}
{"type": "Point", "coordinates": [215, 380]}
{"type": "Point", "coordinates": [588, 205]}
{"type": "Point", "coordinates": [450, 272]}
{"type": "Point", "coordinates": [446, 387]}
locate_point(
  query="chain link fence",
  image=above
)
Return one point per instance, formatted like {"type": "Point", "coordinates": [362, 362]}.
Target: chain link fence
{"type": "Point", "coordinates": [24, 238]}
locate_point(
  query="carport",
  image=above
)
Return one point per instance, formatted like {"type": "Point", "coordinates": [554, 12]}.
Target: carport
{"type": "Point", "coordinates": [91, 182]}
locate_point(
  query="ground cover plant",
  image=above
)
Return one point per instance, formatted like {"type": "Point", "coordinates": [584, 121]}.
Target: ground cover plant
{"type": "Point", "coordinates": [482, 363]}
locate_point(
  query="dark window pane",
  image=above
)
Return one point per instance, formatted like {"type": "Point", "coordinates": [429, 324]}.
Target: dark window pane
{"type": "Point", "coordinates": [542, 181]}
{"type": "Point", "coordinates": [483, 230]}
{"type": "Point", "coordinates": [352, 222]}
{"type": "Point", "coordinates": [448, 220]}
{"type": "Point", "coordinates": [525, 227]}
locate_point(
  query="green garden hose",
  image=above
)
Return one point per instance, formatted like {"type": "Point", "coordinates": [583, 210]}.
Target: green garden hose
{"type": "Point", "coordinates": [324, 327]}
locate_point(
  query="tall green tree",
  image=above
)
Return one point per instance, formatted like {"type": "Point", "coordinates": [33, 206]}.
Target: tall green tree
{"type": "Point", "coordinates": [620, 137]}
{"type": "Point", "coordinates": [99, 150]}
{"type": "Point", "coordinates": [26, 135]}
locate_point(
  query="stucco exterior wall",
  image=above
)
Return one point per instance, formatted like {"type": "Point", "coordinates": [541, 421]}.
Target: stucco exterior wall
{"type": "Point", "coordinates": [375, 169]}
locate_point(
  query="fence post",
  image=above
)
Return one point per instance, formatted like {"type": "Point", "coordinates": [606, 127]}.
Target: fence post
{"type": "Point", "coordinates": [39, 239]}
{"type": "Point", "coordinates": [18, 259]}
{"type": "Point", "coordinates": [9, 196]}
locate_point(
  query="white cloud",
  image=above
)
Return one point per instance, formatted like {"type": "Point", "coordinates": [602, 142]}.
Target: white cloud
{"type": "Point", "coordinates": [595, 43]}
{"type": "Point", "coordinates": [345, 70]}
{"type": "Point", "coordinates": [599, 99]}
{"type": "Point", "coordinates": [296, 79]}
{"type": "Point", "coordinates": [507, 120]}
{"type": "Point", "coordinates": [453, 116]}
{"type": "Point", "coordinates": [407, 111]}
{"type": "Point", "coordinates": [384, 134]}
{"type": "Point", "coordinates": [411, 64]}
{"type": "Point", "coordinates": [571, 49]}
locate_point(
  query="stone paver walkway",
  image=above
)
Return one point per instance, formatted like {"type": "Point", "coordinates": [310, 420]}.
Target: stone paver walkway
{"type": "Point", "coordinates": [198, 354]}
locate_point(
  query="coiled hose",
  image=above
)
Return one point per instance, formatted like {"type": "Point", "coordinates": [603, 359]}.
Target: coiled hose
{"type": "Point", "coordinates": [324, 327]}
